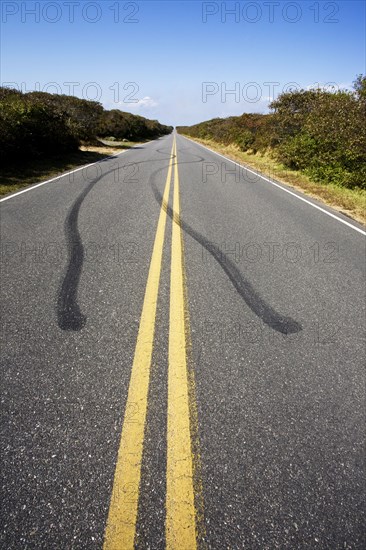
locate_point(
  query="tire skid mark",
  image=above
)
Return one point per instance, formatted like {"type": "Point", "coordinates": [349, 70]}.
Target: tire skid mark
{"type": "Point", "coordinates": [69, 315]}
{"type": "Point", "coordinates": [268, 315]}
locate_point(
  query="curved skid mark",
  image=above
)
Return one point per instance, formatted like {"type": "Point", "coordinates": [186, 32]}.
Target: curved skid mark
{"type": "Point", "coordinates": [69, 315]}
{"type": "Point", "coordinates": [269, 316]}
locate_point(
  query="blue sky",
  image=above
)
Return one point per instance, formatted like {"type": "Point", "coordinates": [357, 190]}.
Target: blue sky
{"type": "Point", "coordinates": [177, 61]}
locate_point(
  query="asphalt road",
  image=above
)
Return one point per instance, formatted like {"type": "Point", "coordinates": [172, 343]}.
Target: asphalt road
{"type": "Point", "coordinates": [222, 408]}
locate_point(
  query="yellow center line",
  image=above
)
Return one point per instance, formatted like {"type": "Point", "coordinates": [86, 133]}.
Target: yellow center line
{"type": "Point", "coordinates": [121, 524]}
{"type": "Point", "coordinates": [180, 509]}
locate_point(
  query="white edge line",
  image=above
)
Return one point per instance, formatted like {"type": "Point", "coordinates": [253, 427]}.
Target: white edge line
{"type": "Point", "coordinates": [280, 187]}
{"type": "Point", "coordinates": [68, 173]}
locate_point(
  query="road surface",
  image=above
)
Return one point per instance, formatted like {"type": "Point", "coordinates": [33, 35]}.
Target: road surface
{"type": "Point", "coordinates": [182, 365]}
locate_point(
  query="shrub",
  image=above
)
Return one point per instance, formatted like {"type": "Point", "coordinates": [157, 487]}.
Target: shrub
{"type": "Point", "coordinates": [38, 123]}
{"type": "Point", "coordinates": [319, 132]}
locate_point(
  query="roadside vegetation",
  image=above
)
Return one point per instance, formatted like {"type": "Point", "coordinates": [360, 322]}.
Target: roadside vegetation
{"type": "Point", "coordinates": [43, 135]}
{"type": "Point", "coordinates": [314, 140]}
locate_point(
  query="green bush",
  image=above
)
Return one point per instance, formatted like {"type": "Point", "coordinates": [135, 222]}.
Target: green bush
{"type": "Point", "coordinates": [123, 125]}
{"type": "Point", "coordinates": [30, 128]}
{"type": "Point", "coordinates": [297, 152]}
{"type": "Point", "coordinates": [38, 123]}
{"type": "Point", "coordinates": [328, 140]}
{"type": "Point", "coordinates": [318, 132]}
{"type": "Point", "coordinates": [245, 140]}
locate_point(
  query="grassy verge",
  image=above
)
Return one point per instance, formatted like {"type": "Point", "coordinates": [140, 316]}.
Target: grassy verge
{"type": "Point", "coordinates": [350, 202]}
{"type": "Point", "coordinates": [16, 176]}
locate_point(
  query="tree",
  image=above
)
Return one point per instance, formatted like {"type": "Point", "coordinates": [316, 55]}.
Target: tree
{"type": "Point", "coordinates": [359, 86]}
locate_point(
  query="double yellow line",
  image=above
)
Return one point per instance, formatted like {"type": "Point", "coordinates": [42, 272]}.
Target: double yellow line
{"type": "Point", "coordinates": [180, 508]}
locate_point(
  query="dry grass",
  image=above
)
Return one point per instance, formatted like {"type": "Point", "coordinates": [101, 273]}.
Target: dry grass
{"type": "Point", "coordinates": [350, 202]}
{"type": "Point", "coordinates": [109, 147]}
{"type": "Point", "coordinates": [18, 176]}
{"type": "Point", "coordinates": [101, 150]}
